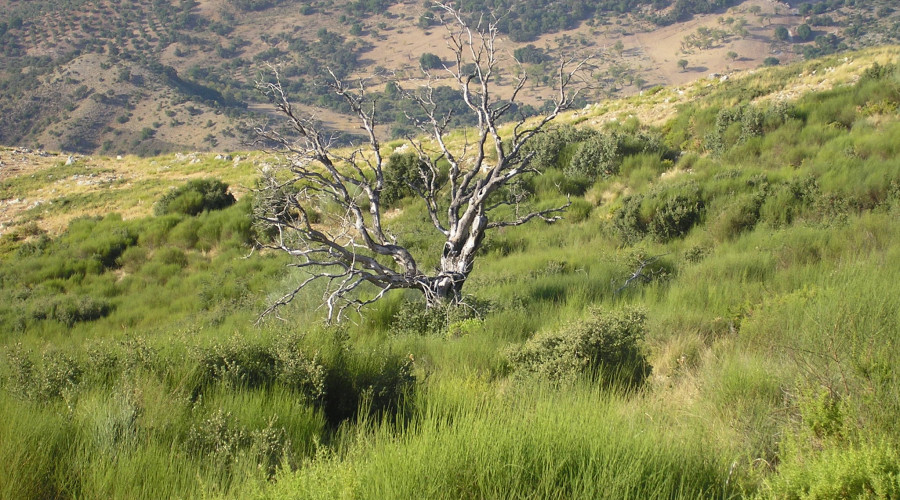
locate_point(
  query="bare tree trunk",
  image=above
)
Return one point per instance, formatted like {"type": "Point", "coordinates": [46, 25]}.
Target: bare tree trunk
{"type": "Point", "coordinates": [457, 260]}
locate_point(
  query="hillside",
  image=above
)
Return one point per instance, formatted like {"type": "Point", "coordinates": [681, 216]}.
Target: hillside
{"type": "Point", "coordinates": [755, 357]}
{"type": "Point", "coordinates": [149, 77]}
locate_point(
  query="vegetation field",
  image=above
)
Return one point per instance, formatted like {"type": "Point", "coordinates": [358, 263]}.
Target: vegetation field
{"type": "Point", "coordinates": [717, 316]}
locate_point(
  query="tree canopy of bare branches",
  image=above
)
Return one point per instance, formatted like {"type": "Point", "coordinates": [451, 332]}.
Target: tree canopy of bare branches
{"type": "Point", "coordinates": [353, 247]}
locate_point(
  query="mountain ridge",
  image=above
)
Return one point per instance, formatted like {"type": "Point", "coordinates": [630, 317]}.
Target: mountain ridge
{"type": "Point", "coordinates": [90, 76]}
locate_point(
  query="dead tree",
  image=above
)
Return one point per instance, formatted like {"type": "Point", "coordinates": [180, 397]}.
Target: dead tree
{"type": "Point", "coordinates": [353, 247]}
{"type": "Point", "coordinates": [639, 275]}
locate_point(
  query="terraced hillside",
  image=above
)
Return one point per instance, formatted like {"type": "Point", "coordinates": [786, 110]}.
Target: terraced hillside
{"type": "Point", "coordinates": [152, 76]}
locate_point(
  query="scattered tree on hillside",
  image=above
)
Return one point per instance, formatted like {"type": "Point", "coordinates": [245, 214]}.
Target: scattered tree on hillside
{"type": "Point", "coordinates": [430, 61]}
{"type": "Point", "coordinates": [329, 212]}
{"type": "Point", "coordinates": [682, 63]}
{"type": "Point", "coordinates": [782, 34]}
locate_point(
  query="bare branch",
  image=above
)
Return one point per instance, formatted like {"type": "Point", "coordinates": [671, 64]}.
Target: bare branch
{"type": "Point", "coordinates": [638, 274]}
{"type": "Point", "coordinates": [326, 209]}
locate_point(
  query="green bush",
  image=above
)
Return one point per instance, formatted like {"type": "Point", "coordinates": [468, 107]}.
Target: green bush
{"type": "Point", "coordinates": [607, 345]}
{"type": "Point", "coordinates": [578, 211]}
{"type": "Point", "coordinates": [402, 178]}
{"type": "Point", "coordinates": [548, 149]}
{"type": "Point", "coordinates": [628, 220]}
{"type": "Point", "coordinates": [70, 309]}
{"type": "Point", "coordinates": [430, 61]}
{"type": "Point", "coordinates": [602, 154]}
{"type": "Point", "coordinates": [56, 375]}
{"type": "Point", "coordinates": [374, 383]}
{"type": "Point", "coordinates": [195, 197]}
{"type": "Point", "coordinates": [414, 318]}
{"type": "Point", "coordinates": [862, 471]}
{"type": "Point", "coordinates": [665, 213]}
{"type": "Point", "coordinates": [789, 200]}
{"type": "Point", "coordinates": [240, 363]}
{"type": "Point", "coordinates": [340, 380]}
{"type": "Point", "coordinates": [676, 216]}
{"type": "Point", "coordinates": [738, 216]}
{"type": "Point", "coordinates": [599, 156]}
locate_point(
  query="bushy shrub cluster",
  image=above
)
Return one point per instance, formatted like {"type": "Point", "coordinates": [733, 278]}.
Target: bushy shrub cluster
{"type": "Point", "coordinates": [56, 375]}
{"type": "Point", "coordinates": [737, 125]}
{"type": "Point", "coordinates": [402, 178]}
{"type": "Point", "coordinates": [223, 440]}
{"type": "Point", "coordinates": [605, 344]}
{"type": "Point", "coordinates": [334, 377]}
{"type": "Point", "coordinates": [602, 154]}
{"type": "Point", "coordinates": [329, 375]}
{"type": "Point", "coordinates": [667, 212]}
{"type": "Point", "coordinates": [414, 318]}
{"type": "Point", "coordinates": [822, 459]}
{"type": "Point", "coordinates": [195, 197]}
{"type": "Point", "coordinates": [69, 309]}
{"type": "Point", "coordinates": [245, 364]}
{"type": "Point", "coordinates": [88, 271]}
{"type": "Point", "coordinates": [553, 148]}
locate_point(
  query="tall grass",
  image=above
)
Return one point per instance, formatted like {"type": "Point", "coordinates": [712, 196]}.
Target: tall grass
{"type": "Point", "coordinates": [525, 443]}
{"type": "Point", "coordinates": [132, 368]}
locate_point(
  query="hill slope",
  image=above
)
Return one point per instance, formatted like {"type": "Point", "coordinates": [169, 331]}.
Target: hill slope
{"type": "Point", "coordinates": [146, 77]}
{"type": "Point", "coordinates": [756, 358]}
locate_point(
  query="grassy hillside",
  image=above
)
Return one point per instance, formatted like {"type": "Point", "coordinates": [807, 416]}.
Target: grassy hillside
{"type": "Point", "coordinates": [755, 360]}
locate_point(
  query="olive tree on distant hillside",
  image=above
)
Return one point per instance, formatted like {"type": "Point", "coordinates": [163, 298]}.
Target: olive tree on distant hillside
{"type": "Point", "coordinates": [346, 245]}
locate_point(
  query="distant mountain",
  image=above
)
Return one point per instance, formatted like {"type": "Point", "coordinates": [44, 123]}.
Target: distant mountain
{"type": "Point", "coordinates": [153, 76]}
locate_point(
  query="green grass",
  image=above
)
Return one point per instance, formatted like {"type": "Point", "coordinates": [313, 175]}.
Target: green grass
{"type": "Point", "coordinates": [132, 368]}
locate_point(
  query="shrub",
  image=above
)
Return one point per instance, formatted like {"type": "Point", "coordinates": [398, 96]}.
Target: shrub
{"type": "Point", "coordinates": [413, 318]}
{"type": "Point", "coordinates": [548, 148]}
{"type": "Point", "coordinates": [273, 199]}
{"type": "Point", "coordinates": [607, 345]}
{"type": "Point", "coordinates": [57, 374]}
{"type": "Point", "coordinates": [401, 178]}
{"type": "Point", "coordinates": [579, 210]}
{"type": "Point", "coordinates": [132, 258]}
{"type": "Point", "coordinates": [60, 374]}
{"type": "Point", "coordinates": [236, 364]}
{"type": "Point", "coordinates": [100, 240]}
{"type": "Point", "coordinates": [430, 61]}
{"type": "Point", "coordinates": [676, 216]}
{"type": "Point", "coordinates": [739, 216]}
{"type": "Point", "coordinates": [869, 471]}
{"type": "Point", "coordinates": [602, 154]}
{"type": "Point", "coordinates": [665, 213]}
{"type": "Point", "coordinates": [599, 156]}
{"type": "Point", "coordinates": [195, 197]}
{"type": "Point", "coordinates": [789, 200]}
{"type": "Point", "coordinates": [628, 220]}
{"type": "Point", "coordinates": [342, 381]}
{"type": "Point", "coordinates": [70, 309]}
